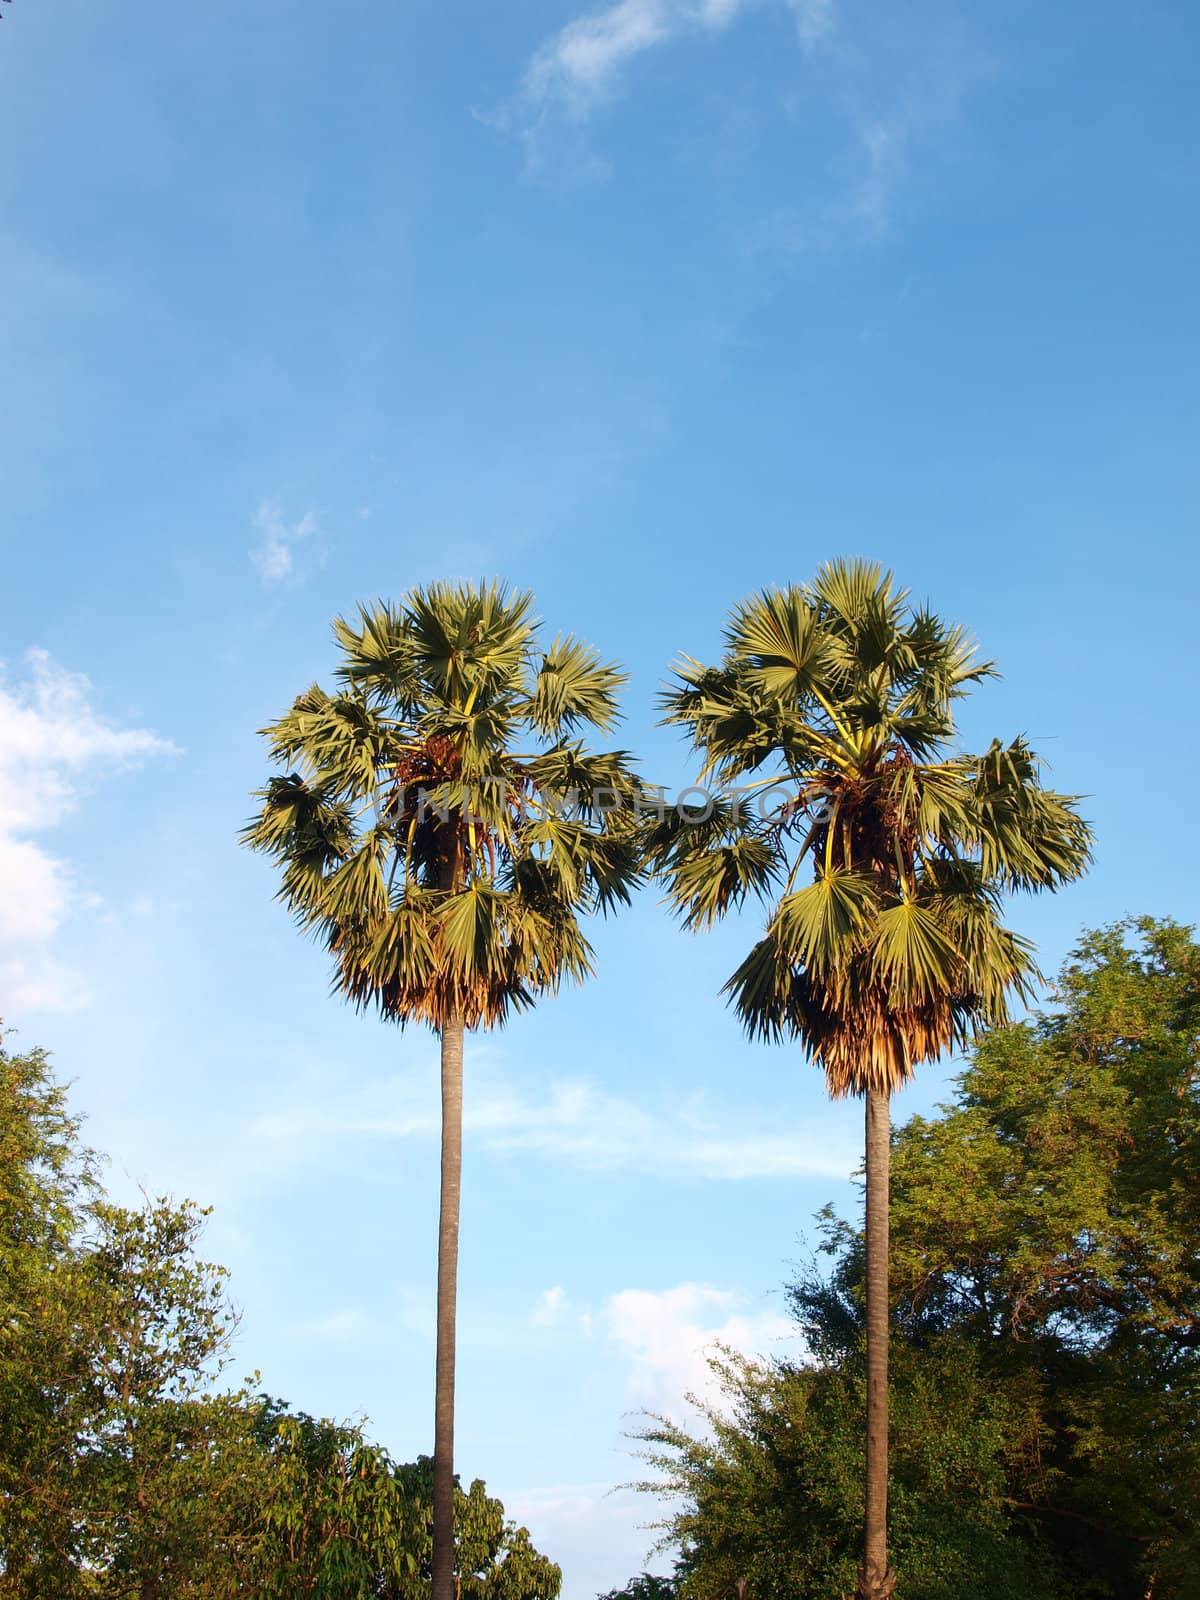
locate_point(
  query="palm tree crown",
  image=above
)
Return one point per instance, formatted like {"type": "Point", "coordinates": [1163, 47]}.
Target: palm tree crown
{"type": "Point", "coordinates": [836, 699]}
{"type": "Point", "coordinates": [444, 827]}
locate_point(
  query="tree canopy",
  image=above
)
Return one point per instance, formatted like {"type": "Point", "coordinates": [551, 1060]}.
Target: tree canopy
{"type": "Point", "coordinates": [127, 1467]}
{"type": "Point", "coordinates": [829, 722]}
{"type": "Point", "coordinates": [1045, 1328]}
{"type": "Point", "coordinates": [443, 825]}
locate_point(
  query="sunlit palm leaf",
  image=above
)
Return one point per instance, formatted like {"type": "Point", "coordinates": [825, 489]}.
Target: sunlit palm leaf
{"type": "Point", "coordinates": [895, 950]}
{"type": "Point", "coordinates": [705, 885]}
{"type": "Point", "coordinates": [823, 925]}
{"type": "Point", "coordinates": [444, 832]}
{"type": "Point", "coordinates": [912, 957]}
{"type": "Point", "coordinates": [778, 636]}
{"type": "Point", "coordinates": [574, 687]}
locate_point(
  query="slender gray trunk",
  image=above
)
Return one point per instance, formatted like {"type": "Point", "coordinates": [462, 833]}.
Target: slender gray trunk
{"type": "Point", "coordinates": [876, 1580]}
{"type": "Point", "coordinates": [447, 1296]}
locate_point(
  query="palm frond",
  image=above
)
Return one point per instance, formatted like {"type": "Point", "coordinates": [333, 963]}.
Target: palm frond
{"type": "Point", "coordinates": [705, 885]}
{"type": "Point", "coordinates": [822, 926]}
{"type": "Point", "coordinates": [574, 687]}
{"type": "Point", "coordinates": [778, 637]}
{"type": "Point", "coordinates": [1027, 836]}
{"type": "Point", "coordinates": [378, 655]}
{"type": "Point", "coordinates": [845, 692]}
{"type": "Point", "coordinates": [468, 639]}
{"type": "Point", "coordinates": [446, 868]}
{"type": "Point", "coordinates": [911, 955]}
{"type": "Point", "coordinates": [760, 991]}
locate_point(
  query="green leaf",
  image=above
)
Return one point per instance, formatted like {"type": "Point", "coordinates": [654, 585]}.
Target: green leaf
{"type": "Point", "coordinates": [822, 926]}
{"type": "Point", "coordinates": [912, 956]}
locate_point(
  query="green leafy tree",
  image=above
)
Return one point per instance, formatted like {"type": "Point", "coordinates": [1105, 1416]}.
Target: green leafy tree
{"type": "Point", "coordinates": [115, 1453]}
{"type": "Point", "coordinates": [329, 1513]}
{"type": "Point", "coordinates": [46, 1181]}
{"type": "Point", "coordinates": [646, 1586]}
{"type": "Point", "coordinates": [157, 1451]}
{"type": "Point", "coordinates": [496, 1558]}
{"type": "Point", "coordinates": [338, 1519]}
{"type": "Point", "coordinates": [1052, 1215]}
{"type": "Point", "coordinates": [1046, 1325]}
{"type": "Point", "coordinates": [443, 828]}
{"type": "Point", "coordinates": [125, 1470]}
{"type": "Point", "coordinates": [767, 1498]}
{"type": "Point", "coordinates": [839, 698]}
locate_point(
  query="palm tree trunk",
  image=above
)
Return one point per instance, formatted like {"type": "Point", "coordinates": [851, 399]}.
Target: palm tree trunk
{"type": "Point", "coordinates": [876, 1580]}
{"type": "Point", "coordinates": [447, 1294]}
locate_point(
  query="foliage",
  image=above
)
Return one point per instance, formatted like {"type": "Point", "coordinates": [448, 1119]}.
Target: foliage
{"type": "Point", "coordinates": [1060, 1191]}
{"type": "Point", "coordinates": [772, 1490]}
{"type": "Point", "coordinates": [147, 1460]}
{"type": "Point", "coordinates": [496, 1559]}
{"type": "Point", "coordinates": [836, 699]}
{"type": "Point", "coordinates": [112, 1445]}
{"type": "Point", "coordinates": [46, 1181]}
{"type": "Point", "coordinates": [340, 1518]}
{"type": "Point", "coordinates": [646, 1586]}
{"type": "Point", "coordinates": [1046, 1328]}
{"type": "Point", "coordinates": [445, 827]}
{"type": "Point", "coordinates": [125, 1469]}
{"type": "Point", "coordinates": [333, 1516]}
{"type": "Point", "coordinates": [1053, 1214]}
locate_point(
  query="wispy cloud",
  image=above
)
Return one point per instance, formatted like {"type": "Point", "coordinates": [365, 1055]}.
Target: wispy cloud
{"type": "Point", "coordinates": [814, 21]}
{"type": "Point", "coordinates": [670, 1337]}
{"type": "Point", "coordinates": [574, 1122]}
{"type": "Point", "coordinates": [886, 83]}
{"type": "Point", "coordinates": [597, 1534]}
{"type": "Point", "coordinates": [54, 744]}
{"type": "Point", "coordinates": [660, 1345]}
{"type": "Point", "coordinates": [578, 66]}
{"type": "Point", "coordinates": [555, 1308]}
{"type": "Point", "coordinates": [274, 552]}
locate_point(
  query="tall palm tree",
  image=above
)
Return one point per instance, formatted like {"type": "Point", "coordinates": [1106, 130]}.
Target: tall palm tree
{"type": "Point", "coordinates": [833, 710]}
{"type": "Point", "coordinates": [442, 828]}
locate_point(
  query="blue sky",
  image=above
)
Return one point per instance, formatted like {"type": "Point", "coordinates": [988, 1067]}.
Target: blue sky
{"type": "Point", "coordinates": [641, 307]}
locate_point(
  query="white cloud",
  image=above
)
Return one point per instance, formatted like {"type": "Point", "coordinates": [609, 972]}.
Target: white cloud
{"type": "Point", "coordinates": [891, 81]}
{"type": "Point", "coordinates": [550, 1306]}
{"type": "Point", "coordinates": [35, 892]}
{"type": "Point", "coordinates": [410, 1309]}
{"type": "Point", "coordinates": [597, 1534]}
{"type": "Point", "coordinates": [349, 1325]}
{"type": "Point", "coordinates": [663, 1342]}
{"type": "Point", "coordinates": [579, 64]}
{"type": "Point", "coordinates": [574, 1122]}
{"type": "Point", "coordinates": [53, 745]}
{"type": "Point", "coordinates": [554, 1308]}
{"type": "Point", "coordinates": [670, 1336]}
{"type": "Point", "coordinates": [912, 97]}
{"type": "Point", "coordinates": [274, 554]}
{"type": "Point", "coordinates": [37, 982]}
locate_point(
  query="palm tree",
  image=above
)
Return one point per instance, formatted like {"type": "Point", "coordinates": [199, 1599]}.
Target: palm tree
{"type": "Point", "coordinates": [833, 709]}
{"type": "Point", "coordinates": [442, 829]}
